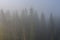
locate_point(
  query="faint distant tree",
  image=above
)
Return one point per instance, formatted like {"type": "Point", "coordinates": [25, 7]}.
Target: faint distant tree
{"type": "Point", "coordinates": [26, 23]}
{"type": "Point", "coordinates": [57, 29]}
{"type": "Point", "coordinates": [51, 28]}
{"type": "Point", "coordinates": [2, 25]}
{"type": "Point", "coordinates": [23, 25]}
{"type": "Point", "coordinates": [15, 26]}
{"type": "Point", "coordinates": [8, 19]}
{"type": "Point", "coordinates": [3, 17]}
{"type": "Point", "coordinates": [31, 11]}
{"type": "Point", "coordinates": [26, 12]}
{"type": "Point", "coordinates": [43, 28]}
{"type": "Point", "coordinates": [36, 19]}
{"type": "Point", "coordinates": [3, 22]}
{"type": "Point", "coordinates": [8, 15]}
{"type": "Point", "coordinates": [16, 20]}
{"type": "Point", "coordinates": [18, 27]}
{"type": "Point", "coordinates": [37, 25]}
{"type": "Point", "coordinates": [8, 28]}
{"type": "Point", "coordinates": [32, 25]}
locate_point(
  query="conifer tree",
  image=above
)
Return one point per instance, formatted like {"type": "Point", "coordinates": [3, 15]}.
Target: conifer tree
{"type": "Point", "coordinates": [51, 27]}
{"type": "Point", "coordinates": [32, 27]}
{"type": "Point", "coordinates": [23, 25]}
{"type": "Point", "coordinates": [43, 28]}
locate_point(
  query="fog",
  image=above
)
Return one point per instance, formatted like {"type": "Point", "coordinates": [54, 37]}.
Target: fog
{"type": "Point", "coordinates": [29, 20]}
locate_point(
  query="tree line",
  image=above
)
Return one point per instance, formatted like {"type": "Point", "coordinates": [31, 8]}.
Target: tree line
{"type": "Point", "coordinates": [28, 26]}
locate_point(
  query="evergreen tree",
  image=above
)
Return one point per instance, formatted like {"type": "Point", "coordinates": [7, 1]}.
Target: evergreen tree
{"type": "Point", "coordinates": [32, 27]}
{"type": "Point", "coordinates": [3, 17]}
{"type": "Point", "coordinates": [3, 23]}
{"type": "Point", "coordinates": [37, 25]}
{"type": "Point", "coordinates": [51, 27]}
{"type": "Point", "coordinates": [23, 25]}
{"type": "Point", "coordinates": [43, 28]}
{"type": "Point", "coordinates": [8, 24]}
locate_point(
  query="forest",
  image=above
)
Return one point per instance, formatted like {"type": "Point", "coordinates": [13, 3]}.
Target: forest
{"type": "Point", "coordinates": [28, 25]}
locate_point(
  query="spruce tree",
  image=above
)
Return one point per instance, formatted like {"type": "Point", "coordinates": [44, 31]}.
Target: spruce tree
{"type": "Point", "coordinates": [43, 28]}
{"type": "Point", "coordinates": [32, 27]}
{"type": "Point", "coordinates": [51, 27]}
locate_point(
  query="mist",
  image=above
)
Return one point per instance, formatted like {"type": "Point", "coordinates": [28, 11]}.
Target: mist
{"type": "Point", "coordinates": [29, 20]}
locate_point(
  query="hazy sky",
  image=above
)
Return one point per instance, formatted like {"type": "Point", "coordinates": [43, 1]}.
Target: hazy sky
{"type": "Point", "coordinates": [42, 5]}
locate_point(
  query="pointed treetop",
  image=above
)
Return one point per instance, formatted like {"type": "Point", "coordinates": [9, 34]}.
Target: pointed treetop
{"type": "Point", "coordinates": [31, 11]}
{"type": "Point", "coordinates": [42, 15]}
{"type": "Point", "coordinates": [1, 10]}
{"type": "Point", "coordinates": [51, 15]}
{"type": "Point", "coordinates": [26, 12]}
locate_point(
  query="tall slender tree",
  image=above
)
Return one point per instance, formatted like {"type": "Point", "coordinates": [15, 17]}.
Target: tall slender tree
{"type": "Point", "coordinates": [8, 25]}
{"type": "Point", "coordinates": [4, 23]}
{"type": "Point", "coordinates": [43, 28]}
{"type": "Point", "coordinates": [3, 17]}
{"type": "Point", "coordinates": [23, 25]}
{"type": "Point", "coordinates": [51, 27]}
{"type": "Point", "coordinates": [32, 23]}
{"type": "Point", "coordinates": [37, 25]}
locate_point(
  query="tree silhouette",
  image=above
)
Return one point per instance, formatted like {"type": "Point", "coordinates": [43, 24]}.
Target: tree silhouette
{"type": "Point", "coordinates": [23, 25]}
{"type": "Point", "coordinates": [43, 28]}
{"type": "Point", "coordinates": [36, 25]}
{"type": "Point", "coordinates": [3, 16]}
{"type": "Point", "coordinates": [51, 27]}
{"type": "Point", "coordinates": [32, 25]}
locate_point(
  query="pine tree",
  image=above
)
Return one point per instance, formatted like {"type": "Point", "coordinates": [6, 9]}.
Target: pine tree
{"type": "Point", "coordinates": [51, 27]}
{"type": "Point", "coordinates": [3, 17]}
{"type": "Point", "coordinates": [37, 25]}
{"type": "Point", "coordinates": [43, 28]}
{"type": "Point", "coordinates": [3, 23]}
{"type": "Point", "coordinates": [8, 24]}
{"type": "Point", "coordinates": [32, 27]}
{"type": "Point", "coordinates": [23, 25]}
